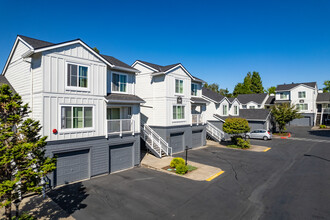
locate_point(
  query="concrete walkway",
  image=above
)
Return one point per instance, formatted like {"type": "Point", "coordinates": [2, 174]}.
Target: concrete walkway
{"type": "Point", "coordinates": [40, 208]}
{"type": "Point", "coordinates": [202, 173]}
{"type": "Point", "coordinates": [254, 148]}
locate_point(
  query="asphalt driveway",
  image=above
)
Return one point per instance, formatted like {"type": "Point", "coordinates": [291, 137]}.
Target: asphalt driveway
{"type": "Point", "coordinates": [290, 181]}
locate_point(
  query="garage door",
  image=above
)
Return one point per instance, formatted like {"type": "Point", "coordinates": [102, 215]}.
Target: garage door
{"type": "Point", "coordinates": [176, 142]}
{"type": "Point", "coordinates": [197, 137]}
{"type": "Point", "coordinates": [301, 122]}
{"type": "Point", "coordinates": [71, 166]}
{"type": "Point", "coordinates": [121, 157]}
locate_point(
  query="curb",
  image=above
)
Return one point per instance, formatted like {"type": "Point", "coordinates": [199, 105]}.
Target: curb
{"type": "Point", "coordinates": [286, 136]}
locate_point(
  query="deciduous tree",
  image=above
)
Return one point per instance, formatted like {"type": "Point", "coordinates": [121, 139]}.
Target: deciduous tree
{"type": "Point", "coordinates": [326, 86]}
{"type": "Point", "coordinates": [283, 114]}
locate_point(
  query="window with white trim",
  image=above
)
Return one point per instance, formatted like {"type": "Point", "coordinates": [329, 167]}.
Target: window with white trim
{"type": "Point", "coordinates": [194, 88]}
{"type": "Point", "coordinates": [302, 107]}
{"type": "Point", "coordinates": [224, 110]}
{"type": "Point", "coordinates": [302, 94]}
{"type": "Point", "coordinates": [73, 117]}
{"type": "Point", "coordinates": [179, 86]}
{"type": "Point", "coordinates": [244, 106]}
{"type": "Point", "coordinates": [252, 107]}
{"type": "Point", "coordinates": [178, 112]}
{"type": "Point", "coordinates": [77, 76]}
{"type": "Point", "coordinates": [119, 82]}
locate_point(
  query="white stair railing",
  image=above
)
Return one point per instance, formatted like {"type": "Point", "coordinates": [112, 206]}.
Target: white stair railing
{"type": "Point", "coordinates": [120, 126]}
{"type": "Point", "coordinates": [214, 131]}
{"type": "Point", "coordinates": [197, 119]}
{"type": "Point", "coordinates": [155, 142]}
{"type": "Point", "coordinates": [321, 118]}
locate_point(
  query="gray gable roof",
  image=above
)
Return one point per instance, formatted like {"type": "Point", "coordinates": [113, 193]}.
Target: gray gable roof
{"type": "Point", "coordinates": [35, 43]}
{"type": "Point", "coordinates": [257, 98]}
{"type": "Point", "coordinates": [159, 68]}
{"type": "Point", "coordinates": [270, 100]}
{"type": "Point", "coordinates": [284, 87]}
{"type": "Point", "coordinates": [118, 98]}
{"type": "Point", "coordinates": [3, 80]}
{"type": "Point", "coordinates": [212, 95]}
{"type": "Point", "coordinates": [249, 114]}
{"type": "Point", "coordinates": [117, 62]}
{"type": "Point", "coordinates": [323, 97]}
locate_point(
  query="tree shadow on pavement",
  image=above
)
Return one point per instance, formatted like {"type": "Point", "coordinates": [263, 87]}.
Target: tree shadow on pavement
{"type": "Point", "coordinates": [320, 133]}
{"type": "Point", "coordinates": [69, 197]}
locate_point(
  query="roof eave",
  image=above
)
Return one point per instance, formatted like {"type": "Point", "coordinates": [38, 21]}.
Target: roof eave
{"type": "Point", "coordinates": [125, 69]}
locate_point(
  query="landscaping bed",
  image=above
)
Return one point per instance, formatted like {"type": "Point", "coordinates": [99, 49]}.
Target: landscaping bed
{"type": "Point", "coordinates": [283, 134]}
{"type": "Point", "coordinates": [173, 170]}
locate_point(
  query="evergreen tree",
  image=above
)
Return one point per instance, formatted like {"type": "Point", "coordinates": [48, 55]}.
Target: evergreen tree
{"type": "Point", "coordinates": [247, 84]}
{"type": "Point", "coordinates": [22, 151]}
{"type": "Point", "coordinates": [256, 83]}
{"type": "Point", "coordinates": [326, 86]}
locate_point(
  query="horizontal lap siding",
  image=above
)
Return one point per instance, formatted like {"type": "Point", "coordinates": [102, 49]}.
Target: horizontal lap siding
{"type": "Point", "coordinates": [99, 151]}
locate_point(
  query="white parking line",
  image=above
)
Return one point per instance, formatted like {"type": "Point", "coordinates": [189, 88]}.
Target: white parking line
{"type": "Point", "coordinates": [307, 139]}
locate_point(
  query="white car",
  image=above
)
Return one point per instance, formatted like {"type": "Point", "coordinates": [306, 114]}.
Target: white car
{"type": "Point", "coordinates": [259, 134]}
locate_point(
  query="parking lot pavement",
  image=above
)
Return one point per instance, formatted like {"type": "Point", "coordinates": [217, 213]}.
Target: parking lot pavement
{"type": "Point", "coordinates": [308, 133]}
{"type": "Point", "coordinates": [288, 182]}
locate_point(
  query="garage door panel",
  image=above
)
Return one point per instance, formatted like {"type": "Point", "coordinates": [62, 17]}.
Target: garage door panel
{"type": "Point", "coordinates": [176, 142]}
{"type": "Point", "coordinates": [121, 157]}
{"type": "Point", "coordinates": [301, 122]}
{"type": "Point", "coordinates": [197, 138]}
{"type": "Point", "coordinates": [72, 166]}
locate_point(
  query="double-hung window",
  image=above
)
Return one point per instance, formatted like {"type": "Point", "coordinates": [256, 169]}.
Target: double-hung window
{"type": "Point", "coordinates": [179, 86]}
{"type": "Point", "coordinates": [252, 107]}
{"type": "Point", "coordinates": [224, 110]}
{"type": "Point", "coordinates": [76, 117]}
{"type": "Point", "coordinates": [194, 89]}
{"type": "Point", "coordinates": [302, 95]}
{"type": "Point", "coordinates": [302, 107]}
{"type": "Point", "coordinates": [236, 110]}
{"type": "Point", "coordinates": [178, 112]}
{"type": "Point", "coordinates": [119, 82]}
{"type": "Point", "coordinates": [77, 76]}
{"type": "Point", "coordinates": [244, 106]}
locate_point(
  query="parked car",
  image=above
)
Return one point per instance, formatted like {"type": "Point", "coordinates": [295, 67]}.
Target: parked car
{"type": "Point", "coordinates": [259, 134]}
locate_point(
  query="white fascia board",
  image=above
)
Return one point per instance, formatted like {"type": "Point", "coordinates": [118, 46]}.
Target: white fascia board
{"type": "Point", "coordinates": [236, 99]}
{"type": "Point", "coordinates": [184, 69]}
{"type": "Point", "coordinates": [207, 98]}
{"type": "Point", "coordinates": [225, 98]}
{"type": "Point", "coordinates": [143, 64]}
{"type": "Point", "coordinates": [12, 52]}
{"type": "Point", "coordinates": [287, 90]}
{"type": "Point", "coordinates": [220, 119]}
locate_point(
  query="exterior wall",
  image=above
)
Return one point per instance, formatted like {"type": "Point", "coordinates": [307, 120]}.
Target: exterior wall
{"type": "Point", "coordinates": [18, 72]}
{"type": "Point", "coordinates": [219, 110]}
{"type": "Point", "coordinates": [278, 95]}
{"type": "Point", "coordinates": [159, 95]}
{"type": "Point", "coordinates": [98, 149]}
{"type": "Point", "coordinates": [311, 95]}
{"type": "Point", "coordinates": [232, 108]}
{"type": "Point", "coordinates": [217, 123]}
{"type": "Point", "coordinates": [55, 92]}
{"type": "Point", "coordinates": [130, 82]}
{"type": "Point", "coordinates": [254, 125]}
{"type": "Point", "coordinates": [165, 133]}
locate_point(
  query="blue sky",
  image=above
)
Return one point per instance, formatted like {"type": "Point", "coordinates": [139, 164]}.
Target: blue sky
{"type": "Point", "coordinates": [218, 41]}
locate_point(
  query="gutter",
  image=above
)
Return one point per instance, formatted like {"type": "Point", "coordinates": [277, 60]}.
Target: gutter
{"type": "Point", "coordinates": [125, 69]}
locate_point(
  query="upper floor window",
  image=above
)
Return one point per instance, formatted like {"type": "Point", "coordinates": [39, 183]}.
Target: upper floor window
{"type": "Point", "coordinates": [252, 107]}
{"type": "Point", "coordinates": [236, 110]}
{"type": "Point", "coordinates": [244, 106]}
{"type": "Point", "coordinates": [179, 86]}
{"type": "Point", "coordinates": [302, 107]}
{"type": "Point", "coordinates": [76, 117]}
{"type": "Point", "coordinates": [178, 112]}
{"type": "Point", "coordinates": [224, 110]}
{"type": "Point", "coordinates": [119, 82]}
{"type": "Point", "coordinates": [77, 76]}
{"type": "Point", "coordinates": [284, 95]}
{"type": "Point", "coordinates": [194, 88]}
{"type": "Point", "coordinates": [302, 95]}
{"type": "Point", "coordinates": [259, 106]}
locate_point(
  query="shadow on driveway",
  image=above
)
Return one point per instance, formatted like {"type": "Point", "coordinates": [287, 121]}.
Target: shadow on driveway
{"type": "Point", "coordinates": [69, 197]}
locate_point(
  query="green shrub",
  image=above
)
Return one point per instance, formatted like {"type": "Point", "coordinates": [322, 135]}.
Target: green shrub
{"type": "Point", "coordinates": [244, 144]}
{"type": "Point", "coordinates": [236, 126]}
{"type": "Point", "coordinates": [323, 126]}
{"type": "Point", "coordinates": [24, 216]}
{"type": "Point", "coordinates": [176, 161]}
{"type": "Point", "coordinates": [181, 169]}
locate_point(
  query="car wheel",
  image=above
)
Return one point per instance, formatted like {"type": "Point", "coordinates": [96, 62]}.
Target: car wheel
{"type": "Point", "coordinates": [247, 137]}
{"type": "Point", "coordinates": [265, 138]}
